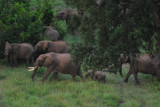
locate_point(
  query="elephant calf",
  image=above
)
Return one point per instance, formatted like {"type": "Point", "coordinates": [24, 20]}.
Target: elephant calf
{"type": "Point", "coordinates": [55, 63]}
{"type": "Point", "coordinates": [18, 51]}
{"type": "Point", "coordinates": [96, 75]}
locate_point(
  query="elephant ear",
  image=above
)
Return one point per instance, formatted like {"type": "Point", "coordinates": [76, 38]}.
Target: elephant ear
{"type": "Point", "coordinates": [65, 14]}
{"type": "Point", "coordinates": [45, 45]}
{"type": "Point", "coordinates": [44, 28]}
{"type": "Point", "coordinates": [48, 60]}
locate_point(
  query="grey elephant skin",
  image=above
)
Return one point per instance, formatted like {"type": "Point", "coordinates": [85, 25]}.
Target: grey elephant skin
{"type": "Point", "coordinates": [51, 33]}
{"type": "Point", "coordinates": [96, 75]}
{"type": "Point", "coordinates": [19, 51]}
{"type": "Point", "coordinates": [55, 63]}
{"type": "Point", "coordinates": [145, 64]}
{"type": "Point", "coordinates": [66, 14]}
{"type": "Point", "coordinates": [48, 46]}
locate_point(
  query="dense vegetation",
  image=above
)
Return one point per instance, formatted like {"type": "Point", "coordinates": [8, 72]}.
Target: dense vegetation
{"type": "Point", "coordinates": [112, 27]}
{"type": "Point", "coordinates": [20, 21]}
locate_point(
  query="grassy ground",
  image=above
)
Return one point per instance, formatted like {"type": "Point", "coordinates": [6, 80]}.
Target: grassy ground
{"type": "Point", "coordinates": [17, 90]}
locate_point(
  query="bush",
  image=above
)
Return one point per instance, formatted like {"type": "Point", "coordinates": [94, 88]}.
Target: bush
{"type": "Point", "coordinates": [113, 27]}
{"type": "Point", "coordinates": [18, 23]}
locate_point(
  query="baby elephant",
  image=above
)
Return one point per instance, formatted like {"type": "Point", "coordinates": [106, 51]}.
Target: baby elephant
{"type": "Point", "coordinates": [96, 75]}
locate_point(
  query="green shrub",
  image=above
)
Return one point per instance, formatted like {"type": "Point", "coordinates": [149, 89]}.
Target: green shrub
{"type": "Point", "coordinates": [18, 23]}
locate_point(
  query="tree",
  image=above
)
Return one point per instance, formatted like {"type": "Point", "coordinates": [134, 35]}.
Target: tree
{"type": "Point", "coordinates": [113, 27]}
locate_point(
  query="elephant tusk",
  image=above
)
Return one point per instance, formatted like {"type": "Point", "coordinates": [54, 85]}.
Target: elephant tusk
{"type": "Point", "coordinates": [32, 68]}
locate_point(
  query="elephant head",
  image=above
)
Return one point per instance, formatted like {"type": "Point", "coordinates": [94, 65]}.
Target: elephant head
{"type": "Point", "coordinates": [62, 15]}
{"type": "Point", "coordinates": [89, 73]}
{"type": "Point", "coordinates": [8, 49]}
{"type": "Point", "coordinates": [66, 14]}
{"type": "Point", "coordinates": [44, 60]}
{"type": "Point", "coordinates": [42, 46]}
{"type": "Point", "coordinates": [124, 58]}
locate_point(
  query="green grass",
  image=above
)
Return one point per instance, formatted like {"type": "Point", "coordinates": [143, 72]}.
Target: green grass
{"type": "Point", "coordinates": [17, 90]}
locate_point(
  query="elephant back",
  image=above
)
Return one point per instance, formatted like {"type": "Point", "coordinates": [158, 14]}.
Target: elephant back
{"type": "Point", "coordinates": [51, 33]}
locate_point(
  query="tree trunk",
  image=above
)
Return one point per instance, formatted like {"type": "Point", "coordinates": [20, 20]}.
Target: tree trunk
{"type": "Point", "coordinates": [156, 12]}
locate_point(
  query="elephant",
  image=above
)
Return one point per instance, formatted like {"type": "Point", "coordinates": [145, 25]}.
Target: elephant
{"type": "Point", "coordinates": [48, 46]}
{"type": "Point", "coordinates": [143, 63]}
{"type": "Point", "coordinates": [72, 18]}
{"type": "Point", "coordinates": [51, 33]}
{"type": "Point", "coordinates": [96, 75]}
{"type": "Point", "coordinates": [90, 73]}
{"type": "Point", "coordinates": [66, 14]}
{"type": "Point", "coordinates": [57, 62]}
{"type": "Point", "coordinates": [19, 51]}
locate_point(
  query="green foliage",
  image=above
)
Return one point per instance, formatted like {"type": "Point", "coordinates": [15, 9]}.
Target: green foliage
{"type": "Point", "coordinates": [18, 23]}
{"type": "Point", "coordinates": [45, 6]}
{"type": "Point", "coordinates": [111, 31]}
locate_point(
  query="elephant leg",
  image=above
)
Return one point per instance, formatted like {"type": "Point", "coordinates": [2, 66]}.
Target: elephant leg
{"type": "Point", "coordinates": [11, 59]}
{"type": "Point", "coordinates": [34, 74]}
{"type": "Point", "coordinates": [15, 60]}
{"type": "Point", "coordinates": [48, 71]}
{"type": "Point", "coordinates": [55, 75]}
{"type": "Point", "coordinates": [120, 70]}
{"type": "Point", "coordinates": [136, 78]}
{"type": "Point", "coordinates": [128, 75]}
{"type": "Point", "coordinates": [134, 71]}
{"type": "Point", "coordinates": [7, 62]}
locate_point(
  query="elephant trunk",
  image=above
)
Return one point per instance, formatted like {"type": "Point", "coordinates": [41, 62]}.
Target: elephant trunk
{"type": "Point", "coordinates": [120, 69]}
{"type": "Point", "coordinates": [35, 70]}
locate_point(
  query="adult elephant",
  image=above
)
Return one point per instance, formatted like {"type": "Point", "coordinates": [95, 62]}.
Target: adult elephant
{"type": "Point", "coordinates": [72, 18]}
{"type": "Point", "coordinates": [19, 51]}
{"type": "Point", "coordinates": [55, 63]}
{"type": "Point", "coordinates": [51, 33]}
{"type": "Point", "coordinates": [48, 46]}
{"type": "Point", "coordinates": [66, 14]}
{"type": "Point", "coordinates": [143, 63]}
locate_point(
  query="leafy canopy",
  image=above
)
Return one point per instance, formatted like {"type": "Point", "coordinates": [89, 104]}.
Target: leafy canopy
{"type": "Point", "coordinates": [112, 27]}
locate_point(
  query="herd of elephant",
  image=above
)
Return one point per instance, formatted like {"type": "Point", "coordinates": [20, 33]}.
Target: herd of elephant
{"type": "Point", "coordinates": [51, 54]}
{"type": "Point", "coordinates": [55, 55]}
